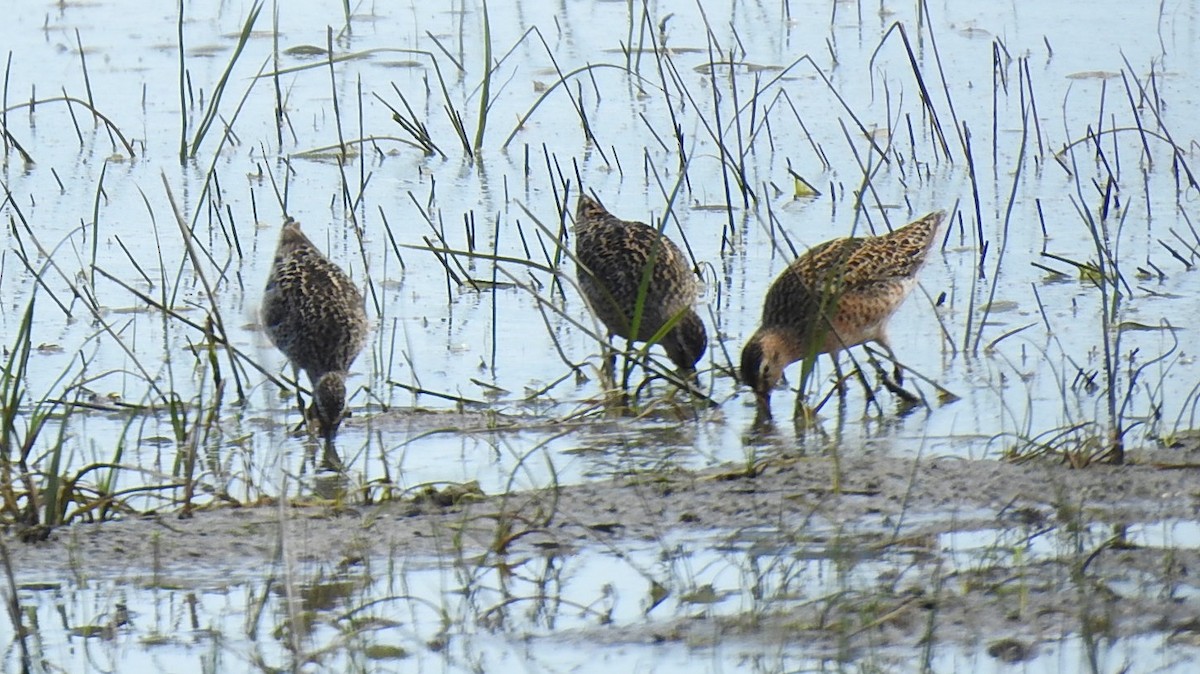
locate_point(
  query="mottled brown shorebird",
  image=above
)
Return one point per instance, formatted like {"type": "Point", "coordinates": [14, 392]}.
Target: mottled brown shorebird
{"type": "Point", "coordinates": [314, 314]}
{"type": "Point", "coordinates": [613, 255]}
{"type": "Point", "coordinates": [839, 294]}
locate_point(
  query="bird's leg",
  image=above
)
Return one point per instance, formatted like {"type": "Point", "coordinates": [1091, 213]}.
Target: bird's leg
{"type": "Point", "coordinates": [305, 412]}
{"type": "Point", "coordinates": [307, 417]}
{"type": "Point", "coordinates": [626, 366]}
{"type": "Point", "coordinates": [803, 415]}
{"type": "Point", "coordinates": [898, 390]}
{"type": "Point", "coordinates": [898, 372]}
{"type": "Point", "coordinates": [330, 460]}
{"type": "Point", "coordinates": [763, 423]}
{"type": "Point", "coordinates": [608, 369]}
{"type": "Point", "coordinates": [311, 416]}
{"type": "Point", "coordinates": [837, 373]}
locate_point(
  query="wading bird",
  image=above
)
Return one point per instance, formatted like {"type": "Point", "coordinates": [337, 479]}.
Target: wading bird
{"type": "Point", "coordinates": [613, 257]}
{"type": "Point", "coordinates": [839, 294]}
{"type": "Point", "coordinates": [314, 314]}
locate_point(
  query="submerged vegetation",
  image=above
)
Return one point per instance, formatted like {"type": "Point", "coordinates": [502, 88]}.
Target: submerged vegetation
{"type": "Point", "coordinates": [437, 156]}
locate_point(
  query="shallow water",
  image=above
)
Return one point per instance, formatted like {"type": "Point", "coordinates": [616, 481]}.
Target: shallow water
{"type": "Point", "coordinates": [753, 596]}
{"type": "Point", "coordinates": [1028, 353]}
{"type": "Point", "coordinates": [1025, 353]}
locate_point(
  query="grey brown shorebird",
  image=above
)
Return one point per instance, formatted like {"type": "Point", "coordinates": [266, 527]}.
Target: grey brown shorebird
{"type": "Point", "coordinates": [314, 314]}
{"type": "Point", "coordinates": [838, 294]}
{"type": "Point", "coordinates": [613, 255]}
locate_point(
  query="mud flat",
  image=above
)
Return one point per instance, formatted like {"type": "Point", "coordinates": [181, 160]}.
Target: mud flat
{"type": "Point", "coordinates": [983, 553]}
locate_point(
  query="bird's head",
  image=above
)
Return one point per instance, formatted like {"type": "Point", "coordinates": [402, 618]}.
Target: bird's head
{"type": "Point", "coordinates": [763, 359]}
{"type": "Point", "coordinates": [329, 401]}
{"type": "Point", "coordinates": [686, 342]}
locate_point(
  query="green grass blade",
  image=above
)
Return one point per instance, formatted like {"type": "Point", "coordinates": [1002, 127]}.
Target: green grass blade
{"type": "Point", "coordinates": [487, 79]}
{"type": "Point", "coordinates": [210, 115]}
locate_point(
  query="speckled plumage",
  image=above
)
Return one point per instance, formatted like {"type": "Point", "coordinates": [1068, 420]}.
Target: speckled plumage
{"type": "Point", "coordinates": [613, 254]}
{"type": "Point", "coordinates": [838, 294]}
{"type": "Point", "coordinates": [314, 314]}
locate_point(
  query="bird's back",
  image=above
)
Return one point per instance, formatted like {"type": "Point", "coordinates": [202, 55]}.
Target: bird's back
{"type": "Point", "coordinates": [311, 310]}
{"type": "Point", "coordinates": [862, 261]}
{"type": "Point", "coordinates": [614, 254]}
{"type": "Point", "coordinates": [872, 275]}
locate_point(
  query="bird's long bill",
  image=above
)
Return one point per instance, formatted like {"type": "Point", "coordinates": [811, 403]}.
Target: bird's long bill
{"type": "Point", "coordinates": [763, 400]}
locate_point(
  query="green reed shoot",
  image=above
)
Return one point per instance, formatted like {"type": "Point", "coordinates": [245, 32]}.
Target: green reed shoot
{"type": "Point", "coordinates": [12, 389]}
{"type": "Point", "coordinates": [96, 221]}
{"type": "Point", "coordinates": [485, 95]}
{"type": "Point", "coordinates": [183, 107]}
{"type": "Point", "coordinates": [214, 103]}
{"type": "Point", "coordinates": [1004, 234]}
{"type": "Point", "coordinates": [16, 447]}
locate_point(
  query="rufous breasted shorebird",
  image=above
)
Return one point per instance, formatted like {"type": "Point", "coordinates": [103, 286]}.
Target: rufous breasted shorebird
{"type": "Point", "coordinates": [838, 294]}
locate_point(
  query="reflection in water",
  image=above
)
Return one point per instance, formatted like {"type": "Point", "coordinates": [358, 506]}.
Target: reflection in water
{"type": "Point", "coordinates": [718, 598]}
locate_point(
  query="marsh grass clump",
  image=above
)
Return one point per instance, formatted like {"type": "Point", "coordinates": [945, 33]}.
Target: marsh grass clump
{"type": "Point", "coordinates": [1077, 446]}
{"type": "Point", "coordinates": [23, 495]}
{"type": "Point", "coordinates": [40, 489]}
